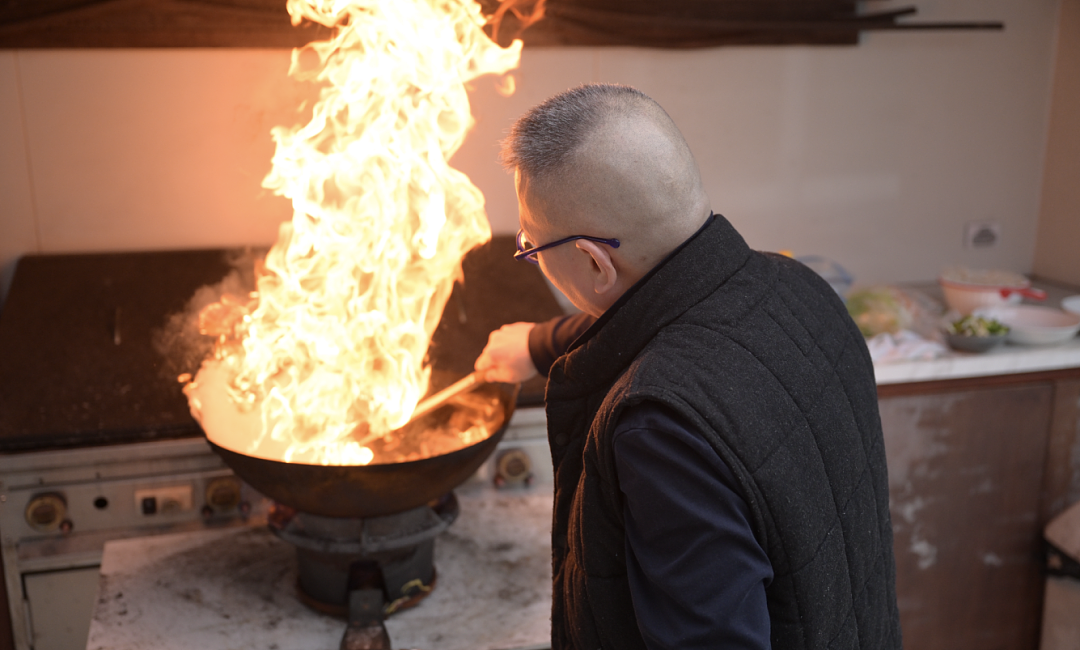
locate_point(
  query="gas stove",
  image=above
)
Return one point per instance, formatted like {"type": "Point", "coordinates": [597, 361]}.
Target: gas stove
{"type": "Point", "coordinates": [96, 441]}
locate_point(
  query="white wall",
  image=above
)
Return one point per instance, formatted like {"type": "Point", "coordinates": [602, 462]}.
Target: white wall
{"type": "Point", "coordinates": [875, 155]}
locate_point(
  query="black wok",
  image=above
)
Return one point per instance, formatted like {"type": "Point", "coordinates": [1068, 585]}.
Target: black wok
{"type": "Point", "coordinates": [370, 490]}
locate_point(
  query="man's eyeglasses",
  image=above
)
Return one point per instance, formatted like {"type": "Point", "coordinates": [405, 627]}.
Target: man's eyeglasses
{"type": "Point", "coordinates": [529, 254]}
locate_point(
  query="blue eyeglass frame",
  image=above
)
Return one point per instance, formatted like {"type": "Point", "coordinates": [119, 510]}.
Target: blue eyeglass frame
{"type": "Point", "coordinates": [529, 255]}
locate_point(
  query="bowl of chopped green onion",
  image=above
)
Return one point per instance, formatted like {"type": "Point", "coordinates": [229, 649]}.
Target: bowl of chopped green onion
{"type": "Point", "coordinates": [975, 333]}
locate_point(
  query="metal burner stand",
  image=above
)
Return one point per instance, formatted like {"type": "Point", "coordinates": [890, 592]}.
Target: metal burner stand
{"type": "Point", "coordinates": [365, 569]}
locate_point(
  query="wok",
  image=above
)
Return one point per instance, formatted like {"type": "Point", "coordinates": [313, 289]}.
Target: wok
{"type": "Point", "coordinates": [370, 490]}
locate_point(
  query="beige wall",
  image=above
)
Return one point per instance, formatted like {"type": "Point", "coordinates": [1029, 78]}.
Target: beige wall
{"type": "Point", "coordinates": [875, 155]}
{"type": "Point", "coordinates": [1057, 252]}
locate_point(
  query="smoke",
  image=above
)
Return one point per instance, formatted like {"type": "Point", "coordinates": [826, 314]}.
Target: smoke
{"type": "Point", "coordinates": [181, 341]}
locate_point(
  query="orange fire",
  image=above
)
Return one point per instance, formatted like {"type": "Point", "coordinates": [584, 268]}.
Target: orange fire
{"type": "Point", "coordinates": [328, 354]}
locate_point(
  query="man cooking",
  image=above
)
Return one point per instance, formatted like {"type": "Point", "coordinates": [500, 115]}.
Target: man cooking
{"type": "Point", "coordinates": [720, 475]}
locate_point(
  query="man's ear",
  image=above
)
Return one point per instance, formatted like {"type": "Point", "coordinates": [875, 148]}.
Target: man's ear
{"type": "Point", "coordinates": [604, 274]}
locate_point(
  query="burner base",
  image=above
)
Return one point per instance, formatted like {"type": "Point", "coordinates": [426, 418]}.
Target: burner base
{"type": "Point", "coordinates": [326, 586]}
{"type": "Point", "coordinates": [337, 557]}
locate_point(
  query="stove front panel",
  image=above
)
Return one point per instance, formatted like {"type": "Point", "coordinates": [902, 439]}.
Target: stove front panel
{"type": "Point", "coordinates": [58, 509]}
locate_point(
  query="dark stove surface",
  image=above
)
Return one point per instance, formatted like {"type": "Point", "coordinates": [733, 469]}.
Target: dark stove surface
{"type": "Point", "coordinates": [78, 364]}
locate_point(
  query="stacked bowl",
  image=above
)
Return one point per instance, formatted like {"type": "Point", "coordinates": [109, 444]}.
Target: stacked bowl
{"type": "Point", "coordinates": [997, 294]}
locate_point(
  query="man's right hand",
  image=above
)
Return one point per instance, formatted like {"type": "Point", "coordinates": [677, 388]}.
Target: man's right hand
{"type": "Point", "coordinates": [506, 357]}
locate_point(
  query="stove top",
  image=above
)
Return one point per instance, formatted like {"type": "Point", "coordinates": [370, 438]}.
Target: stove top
{"type": "Point", "coordinates": [237, 588]}
{"type": "Point", "coordinates": [78, 364]}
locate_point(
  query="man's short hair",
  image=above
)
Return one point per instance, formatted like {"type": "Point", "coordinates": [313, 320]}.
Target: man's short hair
{"type": "Point", "coordinates": [544, 139]}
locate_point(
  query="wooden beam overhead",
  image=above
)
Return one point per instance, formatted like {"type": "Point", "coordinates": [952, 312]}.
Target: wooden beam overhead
{"type": "Point", "coordinates": [643, 23]}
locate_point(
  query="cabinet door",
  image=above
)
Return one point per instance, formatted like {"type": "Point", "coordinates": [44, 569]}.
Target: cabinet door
{"type": "Point", "coordinates": [965, 473]}
{"type": "Point", "coordinates": [61, 605]}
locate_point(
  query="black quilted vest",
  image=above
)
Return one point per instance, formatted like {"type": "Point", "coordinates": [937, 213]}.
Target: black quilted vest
{"type": "Point", "coordinates": [759, 354]}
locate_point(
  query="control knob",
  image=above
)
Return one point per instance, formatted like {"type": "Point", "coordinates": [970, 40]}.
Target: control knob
{"type": "Point", "coordinates": [513, 467]}
{"type": "Point", "coordinates": [46, 512]}
{"type": "Point", "coordinates": [223, 494]}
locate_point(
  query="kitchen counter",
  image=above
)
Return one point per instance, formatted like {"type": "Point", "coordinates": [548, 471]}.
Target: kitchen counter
{"type": "Point", "coordinates": [1006, 359]}
{"type": "Point", "coordinates": [983, 450]}
{"type": "Point", "coordinates": [223, 589]}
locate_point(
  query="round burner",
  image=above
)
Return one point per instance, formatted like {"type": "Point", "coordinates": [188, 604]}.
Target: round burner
{"type": "Point", "coordinates": [339, 557]}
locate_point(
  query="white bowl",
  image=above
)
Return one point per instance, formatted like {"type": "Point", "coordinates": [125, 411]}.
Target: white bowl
{"type": "Point", "coordinates": [1030, 325]}
{"type": "Point", "coordinates": [1071, 304]}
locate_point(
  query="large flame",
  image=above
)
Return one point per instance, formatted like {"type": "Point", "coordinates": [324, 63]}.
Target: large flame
{"type": "Point", "coordinates": [330, 352]}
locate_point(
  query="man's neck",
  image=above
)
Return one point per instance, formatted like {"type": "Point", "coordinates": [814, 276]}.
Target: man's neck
{"type": "Point", "coordinates": [625, 297]}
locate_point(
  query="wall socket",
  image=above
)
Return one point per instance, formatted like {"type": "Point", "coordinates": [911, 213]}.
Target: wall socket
{"type": "Point", "coordinates": [163, 500]}
{"type": "Point", "coordinates": [981, 234]}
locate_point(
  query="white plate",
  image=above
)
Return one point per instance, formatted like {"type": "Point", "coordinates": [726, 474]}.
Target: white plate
{"type": "Point", "coordinates": [1071, 304]}
{"type": "Point", "coordinates": [1029, 325]}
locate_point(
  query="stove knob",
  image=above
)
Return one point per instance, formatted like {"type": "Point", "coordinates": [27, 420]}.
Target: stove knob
{"type": "Point", "coordinates": [513, 466]}
{"type": "Point", "coordinates": [223, 493]}
{"type": "Point", "coordinates": [45, 512]}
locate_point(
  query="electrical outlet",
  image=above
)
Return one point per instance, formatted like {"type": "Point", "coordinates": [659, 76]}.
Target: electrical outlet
{"type": "Point", "coordinates": [163, 500]}
{"type": "Point", "coordinates": [981, 234]}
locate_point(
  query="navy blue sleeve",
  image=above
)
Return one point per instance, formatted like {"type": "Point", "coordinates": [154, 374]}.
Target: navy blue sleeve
{"type": "Point", "coordinates": [549, 340]}
{"type": "Point", "coordinates": [697, 573]}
